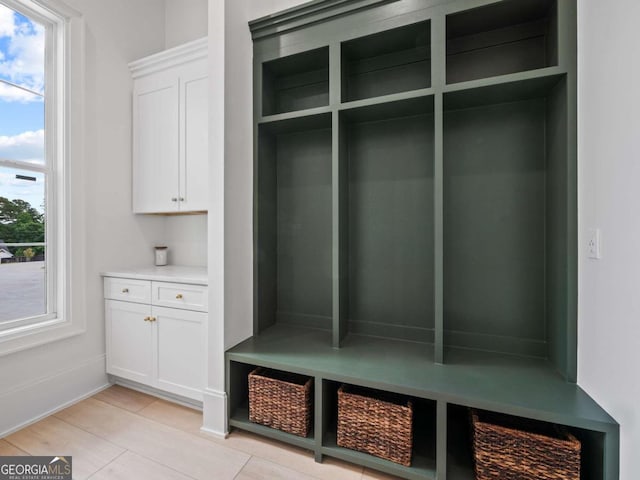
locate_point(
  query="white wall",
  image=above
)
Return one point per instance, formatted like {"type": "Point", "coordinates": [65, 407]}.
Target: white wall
{"type": "Point", "coordinates": [185, 20]}
{"type": "Point", "coordinates": [37, 380]}
{"type": "Point", "coordinates": [186, 237]}
{"type": "Point", "coordinates": [609, 165]}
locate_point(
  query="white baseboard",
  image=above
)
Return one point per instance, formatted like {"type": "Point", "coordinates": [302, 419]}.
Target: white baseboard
{"type": "Point", "coordinates": [32, 401]}
{"type": "Point", "coordinates": [215, 413]}
{"type": "Point", "coordinates": [170, 397]}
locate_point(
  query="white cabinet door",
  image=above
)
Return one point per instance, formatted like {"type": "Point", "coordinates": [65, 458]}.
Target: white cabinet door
{"type": "Point", "coordinates": [156, 143]}
{"type": "Point", "coordinates": [181, 351]}
{"type": "Point", "coordinates": [194, 135]}
{"type": "Point", "coordinates": [130, 344]}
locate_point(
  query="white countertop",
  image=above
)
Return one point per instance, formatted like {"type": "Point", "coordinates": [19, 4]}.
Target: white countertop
{"type": "Point", "coordinates": [168, 273]}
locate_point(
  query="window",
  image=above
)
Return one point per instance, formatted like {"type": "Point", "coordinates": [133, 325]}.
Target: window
{"type": "Point", "coordinates": [35, 153]}
{"type": "Point", "coordinates": [24, 173]}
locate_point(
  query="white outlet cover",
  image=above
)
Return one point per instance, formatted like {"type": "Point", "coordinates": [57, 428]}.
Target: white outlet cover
{"type": "Point", "coordinates": [593, 243]}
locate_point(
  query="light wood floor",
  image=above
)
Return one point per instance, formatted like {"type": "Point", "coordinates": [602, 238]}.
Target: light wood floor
{"type": "Point", "coordinates": [122, 434]}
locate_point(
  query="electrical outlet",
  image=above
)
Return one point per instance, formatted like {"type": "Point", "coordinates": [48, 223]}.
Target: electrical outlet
{"type": "Point", "coordinates": [593, 243]}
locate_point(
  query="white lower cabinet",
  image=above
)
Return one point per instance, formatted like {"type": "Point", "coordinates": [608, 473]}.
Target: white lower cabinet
{"type": "Point", "coordinates": [180, 351]}
{"type": "Point", "coordinates": [129, 341]}
{"type": "Point", "coordinates": [154, 345]}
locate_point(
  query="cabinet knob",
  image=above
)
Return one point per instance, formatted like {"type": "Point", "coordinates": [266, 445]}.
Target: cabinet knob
{"type": "Point", "coordinates": [179, 296]}
{"type": "Point", "coordinates": [147, 319]}
{"type": "Point", "coordinates": [182, 199]}
{"type": "Point", "coordinates": [125, 290]}
{"type": "Point", "coordinates": [152, 319]}
{"type": "Point", "coordinates": [174, 199]}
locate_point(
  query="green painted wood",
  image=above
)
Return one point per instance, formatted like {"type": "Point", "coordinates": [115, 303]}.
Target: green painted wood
{"type": "Point", "coordinates": [528, 347]}
{"type": "Point", "coordinates": [500, 38]}
{"type": "Point", "coordinates": [557, 215]}
{"type": "Point", "coordinates": [390, 165]}
{"type": "Point", "coordinates": [593, 459]}
{"type": "Point", "coordinates": [494, 227]}
{"type": "Point", "coordinates": [438, 53]}
{"type": "Point", "coordinates": [510, 88]}
{"type": "Point", "coordinates": [266, 240]}
{"type": "Point", "coordinates": [337, 253]}
{"type": "Point", "coordinates": [304, 225]}
{"type": "Point", "coordinates": [319, 422]}
{"type": "Point", "coordinates": [442, 446]}
{"type": "Point", "coordinates": [388, 330]}
{"type": "Point", "coordinates": [567, 18]}
{"type": "Point", "coordinates": [422, 465]}
{"type": "Point", "coordinates": [295, 223]}
{"type": "Point", "coordinates": [391, 99]}
{"type": "Point", "coordinates": [304, 121]}
{"type": "Point", "coordinates": [459, 456]}
{"type": "Point", "coordinates": [237, 387]}
{"type": "Point", "coordinates": [240, 419]}
{"type": "Point", "coordinates": [611, 454]}
{"type": "Point", "coordinates": [298, 114]}
{"type": "Point", "coordinates": [402, 105]}
{"type": "Point", "coordinates": [296, 82]}
{"type": "Point", "coordinates": [388, 62]}
{"type": "Point", "coordinates": [470, 378]}
{"type": "Point", "coordinates": [342, 209]}
{"type": "Point", "coordinates": [339, 226]}
{"type": "Point", "coordinates": [258, 309]}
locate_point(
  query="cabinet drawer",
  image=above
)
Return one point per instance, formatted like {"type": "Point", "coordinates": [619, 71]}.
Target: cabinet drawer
{"type": "Point", "coordinates": [178, 295]}
{"type": "Point", "coordinates": [138, 291]}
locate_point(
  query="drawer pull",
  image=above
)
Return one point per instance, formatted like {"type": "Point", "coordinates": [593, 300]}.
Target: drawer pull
{"type": "Point", "coordinates": [125, 290]}
{"type": "Point", "coordinates": [179, 296]}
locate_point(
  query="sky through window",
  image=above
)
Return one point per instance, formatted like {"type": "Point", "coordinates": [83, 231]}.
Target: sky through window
{"type": "Point", "coordinates": [22, 51]}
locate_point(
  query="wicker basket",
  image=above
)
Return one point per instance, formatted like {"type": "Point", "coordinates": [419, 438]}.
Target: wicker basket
{"type": "Point", "coordinates": [503, 450]}
{"type": "Point", "coordinates": [381, 426]}
{"type": "Point", "coordinates": [280, 400]}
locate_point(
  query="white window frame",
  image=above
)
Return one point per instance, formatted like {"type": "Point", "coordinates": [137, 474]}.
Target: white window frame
{"type": "Point", "coordinates": [64, 96]}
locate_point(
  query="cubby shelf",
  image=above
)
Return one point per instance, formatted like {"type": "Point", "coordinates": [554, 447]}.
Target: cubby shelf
{"type": "Point", "coordinates": [294, 115]}
{"type": "Point", "coordinates": [422, 468]}
{"type": "Point", "coordinates": [296, 82]}
{"type": "Point", "coordinates": [392, 61]}
{"type": "Point", "coordinates": [240, 419]}
{"type": "Point", "coordinates": [395, 98]}
{"type": "Point", "coordinates": [415, 218]}
{"type": "Point", "coordinates": [501, 38]}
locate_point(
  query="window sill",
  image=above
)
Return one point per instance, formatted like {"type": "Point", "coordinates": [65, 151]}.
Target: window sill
{"type": "Point", "coordinates": [35, 335]}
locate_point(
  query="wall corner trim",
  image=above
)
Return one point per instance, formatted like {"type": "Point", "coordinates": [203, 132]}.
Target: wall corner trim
{"type": "Point", "coordinates": [214, 409]}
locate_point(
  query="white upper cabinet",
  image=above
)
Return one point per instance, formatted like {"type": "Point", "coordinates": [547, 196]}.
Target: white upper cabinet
{"type": "Point", "coordinates": [170, 130]}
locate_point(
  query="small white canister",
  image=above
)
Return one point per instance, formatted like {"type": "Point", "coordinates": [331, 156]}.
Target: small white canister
{"type": "Point", "coordinates": [161, 256]}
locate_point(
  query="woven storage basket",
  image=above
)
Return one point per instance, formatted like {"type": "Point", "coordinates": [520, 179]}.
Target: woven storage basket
{"type": "Point", "coordinates": [380, 426]}
{"type": "Point", "coordinates": [280, 400]}
{"type": "Point", "coordinates": [503, 450]}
